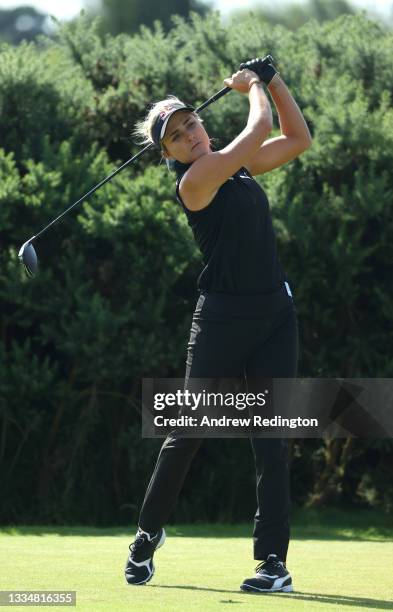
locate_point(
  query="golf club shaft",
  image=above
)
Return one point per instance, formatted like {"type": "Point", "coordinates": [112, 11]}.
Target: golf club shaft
{"type": "Point", "coordinates": [213, 98]}
{"type": "Point", "coordinates": [89, 193]}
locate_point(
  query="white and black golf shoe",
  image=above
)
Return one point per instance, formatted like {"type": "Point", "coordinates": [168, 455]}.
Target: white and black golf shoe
{"type": "Point", "coordinates": [271, 576]}
{"type": "Point", "coordinates": [139, 567]}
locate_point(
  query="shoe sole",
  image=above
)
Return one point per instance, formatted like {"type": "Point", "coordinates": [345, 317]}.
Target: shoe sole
{"type": "Point", "coordinates": [160, 543]}
{"type": "Point", "coordinates": [250, 589]}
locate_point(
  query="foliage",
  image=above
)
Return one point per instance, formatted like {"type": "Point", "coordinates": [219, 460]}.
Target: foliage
{"type": "Point", "coordinates": [113, 300]}
{"type": "Point", "coordinates": [22, 23]}
{"type": "Point", "coordinates": [294, 14]}
{"type": "Point", "coordinates": [128, 15]}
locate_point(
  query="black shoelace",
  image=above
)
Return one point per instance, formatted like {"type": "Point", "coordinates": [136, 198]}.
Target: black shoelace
{"type": "Point", "coordinates": [268, 566]}
{"type": "Point", "coordinates": [139, 541]}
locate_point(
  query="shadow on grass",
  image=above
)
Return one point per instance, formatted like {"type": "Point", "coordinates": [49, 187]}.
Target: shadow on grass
{"type": "Point", "coordinates": [375, 534]}
{"type": "Point", "coordinates": [329, 524]}
{"type": "Point", "coordinates": [342, 600]}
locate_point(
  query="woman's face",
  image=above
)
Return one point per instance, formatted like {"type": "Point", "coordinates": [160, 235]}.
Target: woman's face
{"type": "Point", "coordinates": [185, 138]}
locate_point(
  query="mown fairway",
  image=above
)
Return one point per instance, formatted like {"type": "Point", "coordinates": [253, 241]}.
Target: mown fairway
{"type": "Point", "coordinates": [201, 567]}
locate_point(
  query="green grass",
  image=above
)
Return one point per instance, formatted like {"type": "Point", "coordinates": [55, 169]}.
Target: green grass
{"type": "Point", "coordinates": [338, 561]}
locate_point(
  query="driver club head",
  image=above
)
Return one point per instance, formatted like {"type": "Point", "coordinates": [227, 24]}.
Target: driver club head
{"type": "Point", "coordinates": [28, 257]}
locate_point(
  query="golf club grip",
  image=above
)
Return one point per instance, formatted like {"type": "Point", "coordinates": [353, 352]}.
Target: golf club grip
{"type": "Point", "coordinates": [225, 90]}
{"type": "Point", "coordinates": [267, 60]}
{"type": "Point", "coordinates": [215, 97]}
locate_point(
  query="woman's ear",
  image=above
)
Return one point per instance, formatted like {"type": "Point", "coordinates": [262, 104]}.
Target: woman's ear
{"type": "Point", "coordinates": [164, 151]}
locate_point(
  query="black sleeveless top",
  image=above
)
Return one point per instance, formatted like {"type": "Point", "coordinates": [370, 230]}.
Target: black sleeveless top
{"type": "Point", "coordinates": [236, 238]}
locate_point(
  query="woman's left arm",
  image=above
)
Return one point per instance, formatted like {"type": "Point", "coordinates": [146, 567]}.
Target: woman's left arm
{"type": "Point", "coordinates": [295, 136]}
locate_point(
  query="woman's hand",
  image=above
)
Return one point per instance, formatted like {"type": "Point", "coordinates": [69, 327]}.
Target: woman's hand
{"type": "Point", "coordinates": [241, 79]}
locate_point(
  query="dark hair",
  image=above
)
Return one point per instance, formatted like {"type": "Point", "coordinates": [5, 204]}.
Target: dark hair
{"type": "Point", "coordinates": [179, 168]}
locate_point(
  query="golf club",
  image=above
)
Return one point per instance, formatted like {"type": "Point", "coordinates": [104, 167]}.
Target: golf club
{"type": "Point", "coordinates": [27, 253]}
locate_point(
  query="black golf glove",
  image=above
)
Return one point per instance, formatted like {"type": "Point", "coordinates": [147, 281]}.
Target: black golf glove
{"type": "Point", "coordinates": [262, 66]}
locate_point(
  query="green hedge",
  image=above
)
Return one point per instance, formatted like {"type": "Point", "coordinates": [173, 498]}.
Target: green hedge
{"type": "Point", "coordinates": [114, 297]}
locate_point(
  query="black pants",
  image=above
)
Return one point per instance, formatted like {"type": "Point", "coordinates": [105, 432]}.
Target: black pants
{"type": "Point", "coordinates": [234, 336]}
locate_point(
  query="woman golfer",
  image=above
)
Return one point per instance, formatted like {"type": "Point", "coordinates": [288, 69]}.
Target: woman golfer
{"type": "Point", "coordinates": [244, 324]}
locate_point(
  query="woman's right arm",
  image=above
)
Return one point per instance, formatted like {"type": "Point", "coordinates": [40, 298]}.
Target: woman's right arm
{"type": "Point", "coordinates": [210, 171]}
